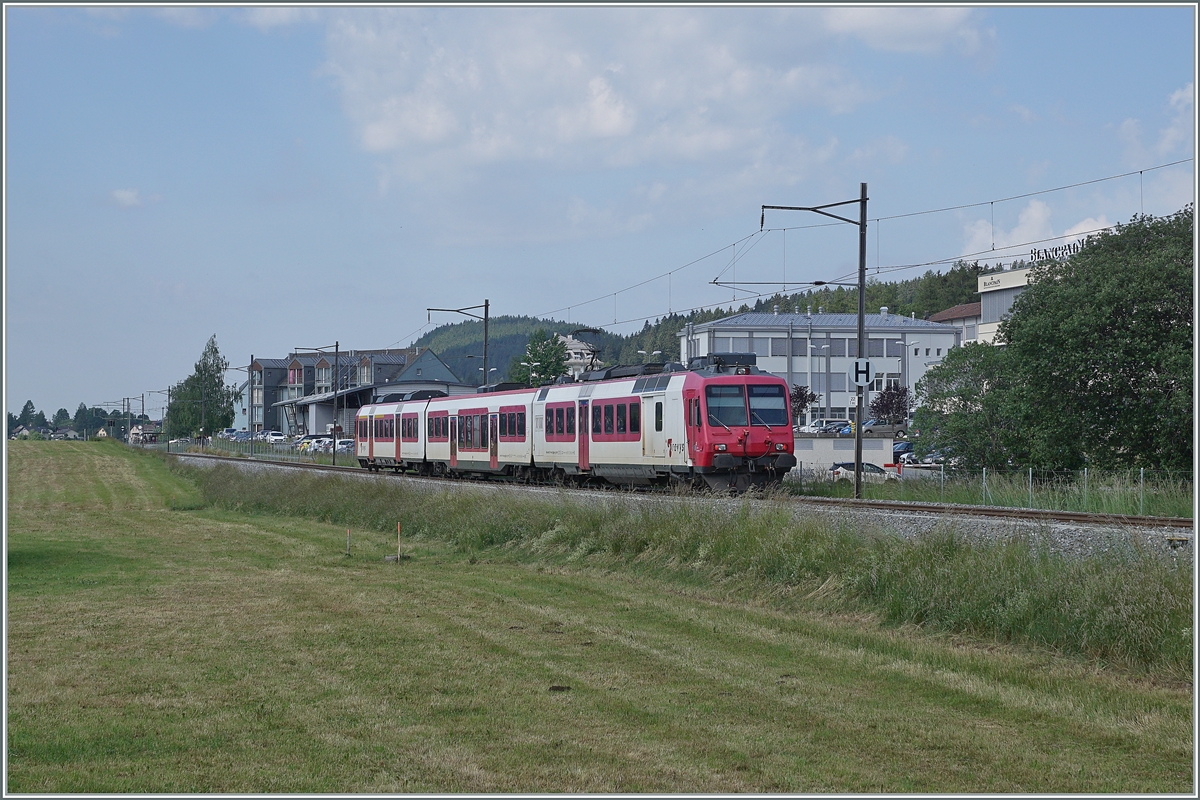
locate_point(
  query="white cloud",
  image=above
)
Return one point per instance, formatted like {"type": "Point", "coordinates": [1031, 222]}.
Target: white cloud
{"type": "Point", "coordinates": [1175, 138]}
{"type": "Point", "coordinates": [450, 95]}
{"type": "Point", "coordinates": [1179, 132]}
{"type": "Point", "coordinates": [269, 17]}
{"type": "Point", "coordinates": [187, 17]}
{"type": "Point", "coordinates": [126, 198]}
{"type": "Point", "coordinates": [907, 29]}
{"type": "Point", "coordinates": [1024, 113]}
{"type": "Point", "coordinates": [1032, 231]}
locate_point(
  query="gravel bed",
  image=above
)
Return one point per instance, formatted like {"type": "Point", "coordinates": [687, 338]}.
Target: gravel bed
{"type": "Point", "coordinates": [1074, 539]}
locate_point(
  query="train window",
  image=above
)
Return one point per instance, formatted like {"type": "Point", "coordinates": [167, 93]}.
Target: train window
{"type": "Point", "coordinates": [726, 405]}
{"type": "Point", "coordinates": [483, 431]}
{"type": "Point", "coordinates": [461, 427]}
{"type": "Point", "coordinates": [559, 423]}
{"type": "Point", "coordinates": [608, 419]}
{"type": "Point", "coordinates": [504, 424]}
{"type": "Point", "coordinates": [520, 423]}
{"type": "Point", "coordinates": [658, 417]}
{"type": "Point", "coordinates": [571, 421]}
{"type": "Point", "coordinates": [621, 407]}
{"type": "Point", "coordinates": [635, 416]}
{"type": "Point", "coordinates": [596, 420]}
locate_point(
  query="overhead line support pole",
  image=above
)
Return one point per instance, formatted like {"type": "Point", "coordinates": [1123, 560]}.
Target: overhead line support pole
{"type": "Point", "coordinates": [861, 222]}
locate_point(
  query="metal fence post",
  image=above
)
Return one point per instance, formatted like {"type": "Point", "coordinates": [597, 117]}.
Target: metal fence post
{"type": "Point", "coordinates": [1085, 488]}
{"type": "Point", "coordinates": [1142, 491]}
{"type": "Point", "coordinates": [1031, 487]}
{"type": "Point", "coordinates": [943, 483]}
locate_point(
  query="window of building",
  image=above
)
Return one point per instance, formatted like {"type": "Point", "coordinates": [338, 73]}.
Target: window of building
{"type": "Point", "coordinates": [837, 348]}
{"type": "Point", "coordinates": [939, 351]}
{"type": "Point", "coordinates": [760, 347]}
{"type": "Point", "coordinates": [779, 347]}
{"type": "Point", "coordinates": [739, 344]}
{"type": "Point", "coordinates": [916, 351]}
{"type": "Point", "coordinates": [874, 348]}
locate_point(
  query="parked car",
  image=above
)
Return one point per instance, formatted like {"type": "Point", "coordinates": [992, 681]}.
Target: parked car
{"type": "Point", "coordinates": [275, 437]}
{"type": "Point", "coordinates": [345, 446]}
{"type": "Point", "coordinates": [817, 424]}
{"type": "Point", "coordinates": [837, 426]}
{"type": "Point", "coordinates": [900, 448]}
{"type": "Point", "coordinates": [871, 473]}
{"type": "Point", "coordinates": [242, 436]}
{"type": "Point", "coordinates": [880, 426]}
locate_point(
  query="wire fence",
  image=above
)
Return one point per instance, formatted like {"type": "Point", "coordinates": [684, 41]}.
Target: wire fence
{"type": "Point", "coordinates": [1139, 491]}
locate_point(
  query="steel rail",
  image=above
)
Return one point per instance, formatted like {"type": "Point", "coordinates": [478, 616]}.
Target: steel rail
{"type": "Point", "coordinates": [1026, 514]}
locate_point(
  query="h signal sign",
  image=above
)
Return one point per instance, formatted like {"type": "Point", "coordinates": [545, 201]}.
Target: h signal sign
{"type": "Point", "coordinates": [862, 373]}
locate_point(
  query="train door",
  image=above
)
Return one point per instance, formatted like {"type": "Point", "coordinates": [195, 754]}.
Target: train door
{"type": "Point", "coordinates": [371, 436]}
{"type": "Point", "coordinates": [453, 440]}
{"type": "Point", "coordinates": [583, 428]}
{"type": "Point", "coordinates": [494, 440]}
{"type": "Point", "coordinates": [691, 413]}
{"type": "Point", "coordinates": [654, 423]}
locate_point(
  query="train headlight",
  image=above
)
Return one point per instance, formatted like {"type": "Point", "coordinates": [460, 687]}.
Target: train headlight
{"type": "Point", "coordinates": [781, 446]}
{"type": "Point", "coordinates": [720, 448]}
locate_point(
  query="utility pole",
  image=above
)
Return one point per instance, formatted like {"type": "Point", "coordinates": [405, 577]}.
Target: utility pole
{"type": "Point", "coordinates": [861, 222]}
{"type": "Point", "coordinates": [465, 312]}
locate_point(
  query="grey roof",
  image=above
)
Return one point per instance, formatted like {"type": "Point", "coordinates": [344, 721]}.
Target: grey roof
{"type": "Point", "coordinates": [273, 363]}
{"type": "Point", "coordinates": [386, 358]}
{"type": "Point", "coordinates": [892, 322]}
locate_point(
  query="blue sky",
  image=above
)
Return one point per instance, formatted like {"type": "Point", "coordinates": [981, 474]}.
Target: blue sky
{"type": "Point", "coordinates": [290, 177]}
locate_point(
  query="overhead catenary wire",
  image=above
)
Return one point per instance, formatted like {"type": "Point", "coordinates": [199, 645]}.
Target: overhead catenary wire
{"type": "Point", "coordinates": [886, 269]}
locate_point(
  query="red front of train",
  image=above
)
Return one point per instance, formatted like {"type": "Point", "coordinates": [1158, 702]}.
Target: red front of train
{"type": "Point", "coordinates": [739, 424]}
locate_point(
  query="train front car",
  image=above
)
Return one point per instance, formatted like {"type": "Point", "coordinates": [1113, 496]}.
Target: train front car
{"type": "Point", "coordinates": [739, 423]}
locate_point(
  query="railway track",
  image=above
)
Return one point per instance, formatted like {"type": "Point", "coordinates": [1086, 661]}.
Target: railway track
{"type": "Point", "coordinates": [1180, 524]}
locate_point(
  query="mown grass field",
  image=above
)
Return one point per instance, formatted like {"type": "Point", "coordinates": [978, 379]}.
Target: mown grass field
{"type": "Point", "coordinates": [159, 644]}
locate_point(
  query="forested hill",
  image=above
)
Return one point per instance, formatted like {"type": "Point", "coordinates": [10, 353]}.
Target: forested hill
{"type": "Point", "coordinates": [507, 335]}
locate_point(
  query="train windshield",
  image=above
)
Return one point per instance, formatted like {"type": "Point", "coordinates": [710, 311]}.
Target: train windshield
{"type": "Point", "coordinates": [726, 405]}
{"type": "Point", "coordinates": [768, 406]}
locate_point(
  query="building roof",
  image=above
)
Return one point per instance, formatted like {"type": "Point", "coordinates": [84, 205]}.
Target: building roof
{"type": "Point", "coordinates": [753, 319]}
{"type": "Point", "coordinates": [958, 312]}
{"type": "Point", "coordinates": [272, 363]}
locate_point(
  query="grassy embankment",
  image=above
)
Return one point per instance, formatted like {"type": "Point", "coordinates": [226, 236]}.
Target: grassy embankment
{"type": "Point", "coordinates": [166, 638]}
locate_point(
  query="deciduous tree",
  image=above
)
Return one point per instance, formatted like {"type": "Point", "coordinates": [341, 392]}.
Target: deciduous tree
{"type": "Point", "coordinates": [203, 400]}
{"type": "Point", "coordinates": [1101, 349]}
{"type": "Point", "coordinates": [892, 405]}
{"type": "Point", "coordinates": [966, 407]}
{"type": "Point", "coordinates": [801, 398]}
{"type": "Point", "coordinates": [545, 359]}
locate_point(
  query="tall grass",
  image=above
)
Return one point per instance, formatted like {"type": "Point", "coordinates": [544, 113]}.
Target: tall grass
{"type": "Point", "coordinates": [1131, 606]}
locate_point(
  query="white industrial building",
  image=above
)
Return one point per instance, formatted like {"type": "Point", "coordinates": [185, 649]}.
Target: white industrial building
{"type": "Point", "coordinates": [997, 291]}
{"type": "Point", "coordinates": [818, 350]}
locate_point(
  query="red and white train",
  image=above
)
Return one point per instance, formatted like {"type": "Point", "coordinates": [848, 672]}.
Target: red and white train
{"type": "Point", "coordinates": [721, 423]}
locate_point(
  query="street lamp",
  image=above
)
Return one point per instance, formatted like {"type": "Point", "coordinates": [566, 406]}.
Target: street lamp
{"type": "Point", "coordinates": [531, 365]}
{"type": "Point", "coordinates": [655, 353]}
{"type": "Point", "coordinates": [825, 383]}
{"type": "Point", "coordinates": [334, 384]}
{"type": "Point", "coordinates": [488, 375]}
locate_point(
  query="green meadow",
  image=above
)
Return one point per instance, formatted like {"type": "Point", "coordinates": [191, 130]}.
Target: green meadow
{"type": "Point", "coordinates": [175, 630]}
